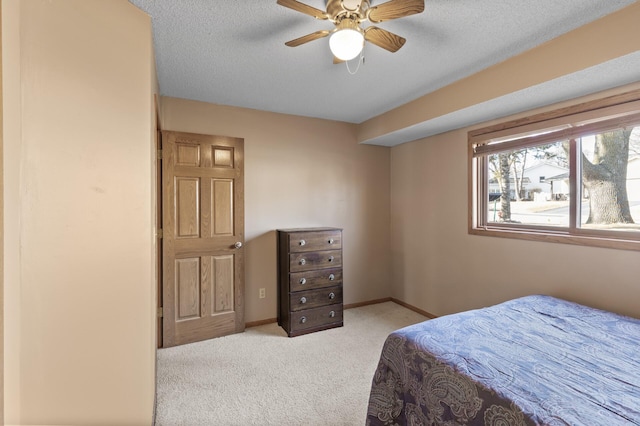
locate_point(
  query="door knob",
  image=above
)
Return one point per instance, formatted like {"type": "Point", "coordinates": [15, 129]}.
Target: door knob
{"type": "Point", "coordinates": [238, 245]}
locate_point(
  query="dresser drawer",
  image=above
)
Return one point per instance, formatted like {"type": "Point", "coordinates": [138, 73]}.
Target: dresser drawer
{"type": "Point", "coordinates": [316, 317]}
{"type": "Point", "coordinates": [315, 240]}
{"type": "Point", "coordinates": [299, 281]}
{"type": "Point", "coordinates": [315, 260]}
{"type": "Point", "coordinates": [315, 298]}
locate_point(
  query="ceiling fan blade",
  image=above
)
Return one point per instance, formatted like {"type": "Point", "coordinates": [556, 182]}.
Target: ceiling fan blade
{"type": "Point", "coordinates": [301, 7]}
{"type": "Point", "coordinates": [337, 61]}
{"type": "Point", "coordinates": [395, 9]}
{"type": "Point", "coordinates": [307, 38]}
{"type": "Point", "coordinates": [383, 38]}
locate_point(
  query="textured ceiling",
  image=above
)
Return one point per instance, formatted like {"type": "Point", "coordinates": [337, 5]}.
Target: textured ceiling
{"type": "Point", "coordinates": [232, 52]}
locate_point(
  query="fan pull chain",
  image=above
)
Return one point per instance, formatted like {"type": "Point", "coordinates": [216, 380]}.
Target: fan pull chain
{"type": "Point", "coordinates": [360, 62]}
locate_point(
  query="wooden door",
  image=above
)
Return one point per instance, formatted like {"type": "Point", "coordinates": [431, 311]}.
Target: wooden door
{"type": "Point", "coordinates": [203, 233]}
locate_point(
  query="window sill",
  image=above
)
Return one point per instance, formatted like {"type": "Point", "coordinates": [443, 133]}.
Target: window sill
{"type": "Point", "coordinates": [560, 236]}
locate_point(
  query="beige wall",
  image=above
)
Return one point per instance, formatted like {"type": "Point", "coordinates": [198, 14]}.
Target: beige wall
{"type": "Point", "coordinates": [79, 230]}
{"type": "Point", "coordinates": [12, 127]}
{"type": "Point", "coordinates": [302, 172]}
{"type": "Point", "coordinates": [438, 267]}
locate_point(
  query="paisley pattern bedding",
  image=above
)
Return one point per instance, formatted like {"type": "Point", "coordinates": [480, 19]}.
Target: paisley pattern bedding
{"type": "Point", "coordinates": [536, 360]}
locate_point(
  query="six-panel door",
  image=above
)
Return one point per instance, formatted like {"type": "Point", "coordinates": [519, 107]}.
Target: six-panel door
{"type": "Point", "coordinates": [203, 220]}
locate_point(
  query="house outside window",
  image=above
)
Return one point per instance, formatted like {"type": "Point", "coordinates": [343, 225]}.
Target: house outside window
{"type": "Point", "coordinates": [568, 176]}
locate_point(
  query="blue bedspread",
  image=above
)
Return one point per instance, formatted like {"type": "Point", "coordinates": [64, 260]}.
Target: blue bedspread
{"type": "Point", "coordinates": [536, 360]}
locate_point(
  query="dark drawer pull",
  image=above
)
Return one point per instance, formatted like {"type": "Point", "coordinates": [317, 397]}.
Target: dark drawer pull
{"type": "Point", "coordinates": [303, 300]}
{"type": "Point", "coordinates": [303, 320]}
{"type": "Point", "coordinates": [332, 277]}
{"type": "Point", "coordinates": [303, 281]}
{"type": "Point", "coordinates": [330, 258]}
{"type": "Point", "coordinates": [303, 262]}
{"type": "Point", "coordinates": [332, 296]}
{"type": "Point", "coordinates": [332, 314]}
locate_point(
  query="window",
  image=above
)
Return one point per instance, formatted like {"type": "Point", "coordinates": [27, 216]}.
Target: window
{"type": "Point", "coordinates": [571, 175]}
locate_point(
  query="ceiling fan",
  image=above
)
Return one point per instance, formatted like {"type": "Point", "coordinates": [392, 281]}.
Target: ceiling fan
{"type": "Point", "coordinates": [347, 39]}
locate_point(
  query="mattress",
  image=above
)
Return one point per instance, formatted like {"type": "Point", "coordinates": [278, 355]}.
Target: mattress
{"type": "Point", "coordinates": [535, 360]}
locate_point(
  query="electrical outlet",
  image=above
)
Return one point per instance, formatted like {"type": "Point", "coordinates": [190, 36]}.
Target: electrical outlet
{"type": "Point", "coordinates": [262, 293]}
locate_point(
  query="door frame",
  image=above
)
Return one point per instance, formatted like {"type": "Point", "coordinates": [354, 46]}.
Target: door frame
{"type": "Point", "coordinates": [158, 226]}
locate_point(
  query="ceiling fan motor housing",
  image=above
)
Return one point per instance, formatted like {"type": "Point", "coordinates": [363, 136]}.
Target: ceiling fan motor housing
{"type": "Point", "coordinates": [339, 9]}
{"type": "Point", "coordinates": [348, 24]}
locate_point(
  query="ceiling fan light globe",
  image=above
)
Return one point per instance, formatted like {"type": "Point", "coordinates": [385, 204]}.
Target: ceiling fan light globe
{"type": "Point", "coordinates": [346, 44]}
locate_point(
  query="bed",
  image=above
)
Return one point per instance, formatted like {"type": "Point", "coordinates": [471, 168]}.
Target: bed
{"type": "Point", "coordinates": [535, 360]}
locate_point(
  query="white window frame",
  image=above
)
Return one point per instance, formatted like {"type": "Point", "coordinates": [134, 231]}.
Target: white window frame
{"type": "Point", "coordinates": [564, 124]}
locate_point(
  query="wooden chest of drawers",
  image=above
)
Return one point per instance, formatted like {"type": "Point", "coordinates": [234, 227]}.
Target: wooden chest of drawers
{"type": "Point", "coordinates": [309, 279]}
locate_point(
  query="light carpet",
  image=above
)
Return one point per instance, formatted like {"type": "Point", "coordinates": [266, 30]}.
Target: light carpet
{"type": "Point", "coordinates": [262, 377]}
